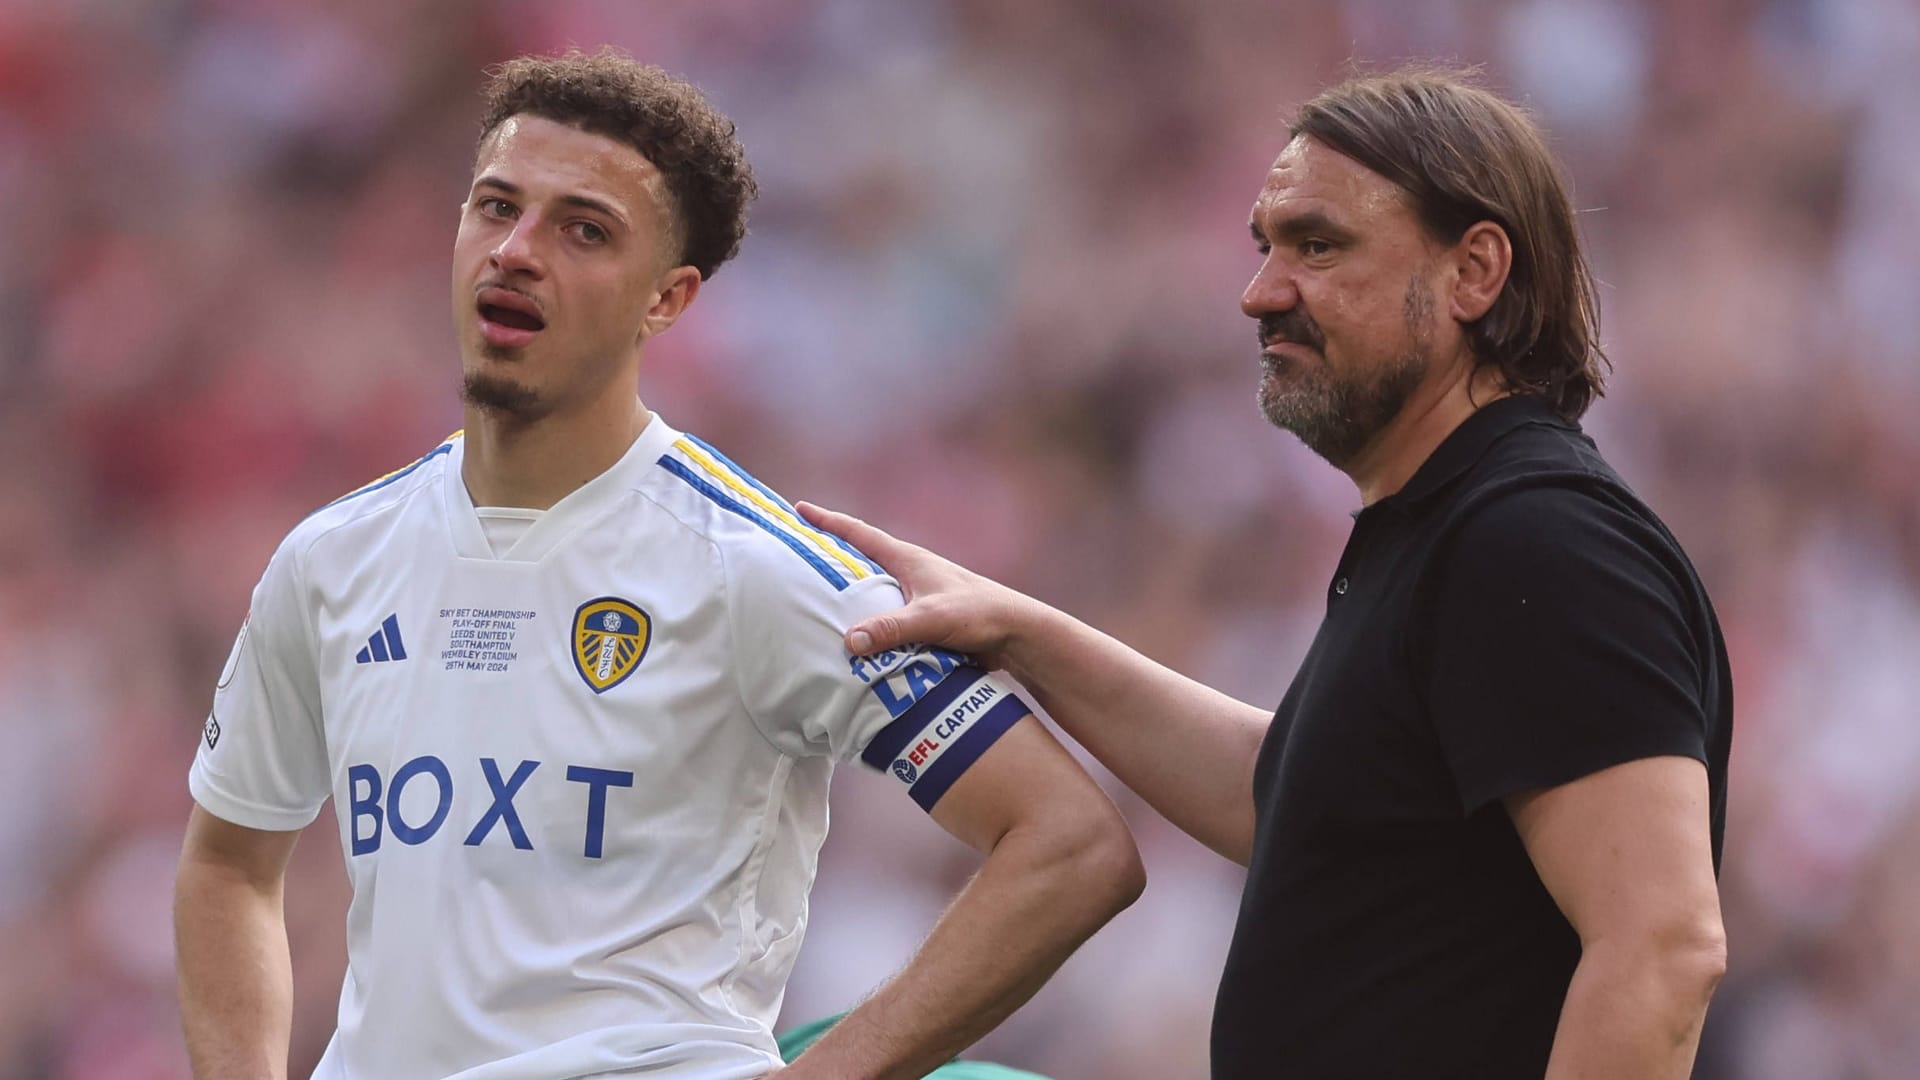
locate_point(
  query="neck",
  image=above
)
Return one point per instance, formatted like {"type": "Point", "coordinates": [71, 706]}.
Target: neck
{"type": "Point", "coordinates": [535, 464]}
{"type": "Point", "coordinates": [1385, 464]}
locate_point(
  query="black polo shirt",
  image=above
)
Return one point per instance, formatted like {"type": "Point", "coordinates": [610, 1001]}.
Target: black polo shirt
{"type": "Point", "coordinates": [1514, 618]}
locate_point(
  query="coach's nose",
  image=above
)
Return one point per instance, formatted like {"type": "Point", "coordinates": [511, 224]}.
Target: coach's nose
{"type": "Point", "coordinates": [1271, 292]}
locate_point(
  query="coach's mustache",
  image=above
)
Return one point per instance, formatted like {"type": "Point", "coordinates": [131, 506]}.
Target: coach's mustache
{"type": "Point", "coordinates": [1294, 327]}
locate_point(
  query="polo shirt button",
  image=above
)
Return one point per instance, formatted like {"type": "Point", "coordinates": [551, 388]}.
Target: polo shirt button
{"type": "Point", "coordinates": [1340, 587]}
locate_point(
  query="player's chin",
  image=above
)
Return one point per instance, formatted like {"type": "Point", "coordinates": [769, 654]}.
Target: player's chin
{"type": "Point", "coordinates": [500, 394]}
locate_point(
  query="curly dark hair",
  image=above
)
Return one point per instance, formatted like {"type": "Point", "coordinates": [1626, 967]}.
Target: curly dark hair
{"type": "Point", "coordinates": [667, 119]}
{"type": "Point", "coordinates": [1464, 155]}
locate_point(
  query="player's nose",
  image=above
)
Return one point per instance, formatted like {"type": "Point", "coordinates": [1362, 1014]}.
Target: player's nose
{"type": "Point", "coordinates": [518, 251]}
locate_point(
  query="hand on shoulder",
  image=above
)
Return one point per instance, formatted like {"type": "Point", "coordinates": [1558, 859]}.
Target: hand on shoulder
{"type": "Point", "coordinates": [947, 604]}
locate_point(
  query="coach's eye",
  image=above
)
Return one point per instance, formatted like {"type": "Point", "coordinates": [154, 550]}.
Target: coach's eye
{"type": "Point", "coordinates": [1316, 247]}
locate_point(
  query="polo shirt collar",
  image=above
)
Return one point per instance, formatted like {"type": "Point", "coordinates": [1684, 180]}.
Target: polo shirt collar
{"type": "Point", "coordinates": [1465, 445]}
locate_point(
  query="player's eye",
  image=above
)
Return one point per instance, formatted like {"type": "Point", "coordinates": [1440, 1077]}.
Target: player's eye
{"type": "Point", "coordinates": [588, 232]}
{"type": "Point", "coordinates": [493, 207]}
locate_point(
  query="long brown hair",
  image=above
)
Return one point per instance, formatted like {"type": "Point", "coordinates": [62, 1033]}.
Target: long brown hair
{"type": "Point", "coordinates": [1464, 156]}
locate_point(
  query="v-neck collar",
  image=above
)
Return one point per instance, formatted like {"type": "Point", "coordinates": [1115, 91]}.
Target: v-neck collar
{"type": "Point", "coordinates": [559, 520]}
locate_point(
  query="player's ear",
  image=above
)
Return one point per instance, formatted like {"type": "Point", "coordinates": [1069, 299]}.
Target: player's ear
{"type": "Point", "coordinates": [671, 294]}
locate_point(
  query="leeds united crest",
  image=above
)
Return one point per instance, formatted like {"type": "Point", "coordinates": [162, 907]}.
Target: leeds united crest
{"type": "Point", "coordinates": [610, 636]}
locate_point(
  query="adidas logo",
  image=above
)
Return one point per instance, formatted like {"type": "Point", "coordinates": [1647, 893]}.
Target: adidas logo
{"type": "Point", "coordinates": [384, 645]}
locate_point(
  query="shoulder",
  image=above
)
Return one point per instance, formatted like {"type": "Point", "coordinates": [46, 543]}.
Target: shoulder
{"type": "Point", "coordinates": [1564, 544]}
{"type": "Point", "coordinates": [1541, 450]}
{"type": "Point", "coordinates": [375, 500]}
{"type": "Point", "coordinates": [1545, 511]}
{"type": "Point", "coordinates": [1543, 488]}
{"type": "Point", "coordinates": [756, 532]}
{"type": "Point", "coordinates": [1556, 523]}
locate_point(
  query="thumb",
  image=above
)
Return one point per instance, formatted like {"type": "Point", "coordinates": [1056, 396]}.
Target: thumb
{"type": "Point", "coordinates": [874, 635]}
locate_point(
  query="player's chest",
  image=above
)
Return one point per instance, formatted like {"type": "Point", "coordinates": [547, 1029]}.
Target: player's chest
{"type": "Point", "coordinates": [500, 709]}
{"type": "Point", "coordinates": [571, 661]}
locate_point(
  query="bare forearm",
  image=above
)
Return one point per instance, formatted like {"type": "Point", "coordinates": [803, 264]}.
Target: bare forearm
{"type": "Point", "coordinates": [1634, 1015]}
{"type": "Point", "coordinates": [236, 980]}
{"type": "Point", "coordinates": [1029, 907]}
{"type": "Point", "coordinates": [1185, 747]}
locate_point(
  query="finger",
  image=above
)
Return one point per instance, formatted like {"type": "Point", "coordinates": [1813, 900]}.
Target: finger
{"type": "Point", "coordinates": [875, 543]}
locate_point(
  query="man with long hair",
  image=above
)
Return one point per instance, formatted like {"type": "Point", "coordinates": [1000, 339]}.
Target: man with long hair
{"type": "Point", "coordinates": [1482, 830]}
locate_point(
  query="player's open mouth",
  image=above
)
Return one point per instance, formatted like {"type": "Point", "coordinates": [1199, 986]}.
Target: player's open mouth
{"type": "Point", "coordinates": [507, 318]}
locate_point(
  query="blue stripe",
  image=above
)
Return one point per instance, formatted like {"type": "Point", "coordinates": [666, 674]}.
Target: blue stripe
{"type": "Point", "coordinates": [392, 628]}
{"type": "Point", "coordinates": [674, 466]}
{"type": "Point", "coordinates": [778, 501]}
{"type": "Point", "coordinates": [443, 448]}
{"type": "Point", "coordinates": [738, 471]}
{"type": "Point", "coordinates": [379, 646]}
{"type": "Point", "coordinates": [973, 742]}
{"type": "Point", "coordinates": [893, 739]}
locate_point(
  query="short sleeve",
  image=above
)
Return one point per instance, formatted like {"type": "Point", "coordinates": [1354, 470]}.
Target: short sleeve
{"type": "Point", "coordinates": [921, 714]}
{"type": "Point", "coordinates": [262, 759]}
{"type": "Point", "coordinates": [1560, 644]}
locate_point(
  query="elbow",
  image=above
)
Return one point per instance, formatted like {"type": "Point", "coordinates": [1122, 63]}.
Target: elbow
{"type": "Point", "coordinates": [1685, 959]}
{"type": "Point", "coordinates": [1105, 865]}
{"type": "Point", "coordinates": [1706, 958]}
{"type": "Point", "coordinates": [1692, 956]}
{"type": "Point", "coordinates": [1084, 860]}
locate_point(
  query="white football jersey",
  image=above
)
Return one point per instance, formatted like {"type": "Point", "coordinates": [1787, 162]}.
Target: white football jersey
{"type": "Point", "coordinates": [581, 787]}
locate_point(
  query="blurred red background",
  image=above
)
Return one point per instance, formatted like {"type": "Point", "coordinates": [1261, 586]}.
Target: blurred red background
{"type": "Point", "coordinates": [989, 302]}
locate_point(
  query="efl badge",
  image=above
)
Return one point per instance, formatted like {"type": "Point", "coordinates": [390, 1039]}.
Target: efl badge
{"type": "Point", "coordinates": [610, 635]}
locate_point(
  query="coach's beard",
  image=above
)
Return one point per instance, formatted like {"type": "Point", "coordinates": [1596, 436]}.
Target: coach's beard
{"type": "Point", "coordinates": [1336, 414]}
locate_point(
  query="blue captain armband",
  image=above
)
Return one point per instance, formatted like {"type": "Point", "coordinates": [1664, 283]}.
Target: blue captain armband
{"type": "Point", "coordinates": [944, 732]}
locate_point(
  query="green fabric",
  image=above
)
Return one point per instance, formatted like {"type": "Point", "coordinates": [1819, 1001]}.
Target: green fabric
{"type": "Point", "coordinates": [803, 1036]}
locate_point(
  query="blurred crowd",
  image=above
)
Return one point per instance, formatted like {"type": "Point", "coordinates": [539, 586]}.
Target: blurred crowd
{"type": "Point", "coordinates": [988, 301]}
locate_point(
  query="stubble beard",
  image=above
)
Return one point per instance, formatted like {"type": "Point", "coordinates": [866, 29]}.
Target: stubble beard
{"type": "Point", "coordinates": [503, 397]}
{"type": "Point", "coordinates": [1336, 414]}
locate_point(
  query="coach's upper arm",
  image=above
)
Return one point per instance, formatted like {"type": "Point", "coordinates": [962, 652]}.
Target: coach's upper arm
{"type": "Point", "coordinates": [1627, 854]}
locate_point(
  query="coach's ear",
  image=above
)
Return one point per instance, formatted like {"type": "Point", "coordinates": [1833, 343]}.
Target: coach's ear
{"type": "Point", "coordinates": [1482, 260]}
{"type": "Point", "coordinates": [671, 294]}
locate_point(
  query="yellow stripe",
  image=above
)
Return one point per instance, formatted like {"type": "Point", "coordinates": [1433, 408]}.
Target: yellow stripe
{"type": "Point", "coordinates": [378, 480]}
{"type": "Point", "coordinates": [778, 512]}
